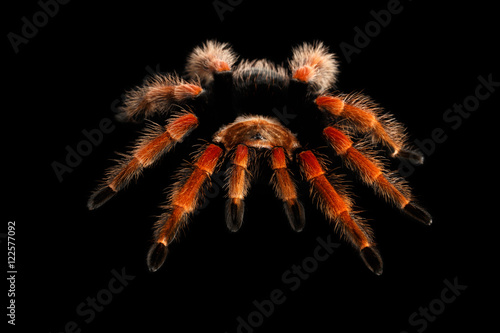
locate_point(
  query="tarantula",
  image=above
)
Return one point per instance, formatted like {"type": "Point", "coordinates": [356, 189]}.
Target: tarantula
{"type": "Point", "coordinates": [235, 107]}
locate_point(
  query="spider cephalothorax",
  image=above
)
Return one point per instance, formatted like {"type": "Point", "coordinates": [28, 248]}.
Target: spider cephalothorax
{"type": "Point", "coordinates": [235, 108]}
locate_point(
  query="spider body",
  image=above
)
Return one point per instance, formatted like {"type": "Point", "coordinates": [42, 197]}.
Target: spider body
{"type": "Point", "coordinates": [257, 111]}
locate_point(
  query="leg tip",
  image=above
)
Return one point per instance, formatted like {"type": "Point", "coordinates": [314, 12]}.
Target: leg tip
{"type": "Point", "coordinates": [234, 214]}
{"type": "Point", "coordinates": [100, 197]}
{"type": "Point", "coordinates": [372, 259]}
{"type": "Point", "coordinates": [295, 214]}
{"type": "Point", "coordinates": [156, 256]}
{"type": "Point", "coordinates": [413, 156]}
{"type": "Point", "coordinates": [418, 213]}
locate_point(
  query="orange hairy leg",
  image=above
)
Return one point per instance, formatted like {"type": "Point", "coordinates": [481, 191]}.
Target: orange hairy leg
{"type": "Point", "coordinates": [361, 114]}
{"type": "Point", "coordinates": [210, 58]}
{"type": "Point", "coordinates": [338, 208]}
{"type": "Point", "coordinates": [170, 94]}
{"type": "Point", "coordinates": [157, 95]}
{"type": "Point", "coordinates": [183, 201]}
{"type": "Point", "coordinates": [373, 174]}
{"type": "Point", "coordinates": [148, 149]}
{"type": "Point", "coordinates": [238, 184]}
{"type": "Point", "coordinates": [313, 64]}
{"type": "Point", "coordinates": [286, 190]}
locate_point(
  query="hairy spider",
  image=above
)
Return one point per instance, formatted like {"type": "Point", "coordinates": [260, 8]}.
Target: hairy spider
{"type": "Point", "coordinates": [233, 107]}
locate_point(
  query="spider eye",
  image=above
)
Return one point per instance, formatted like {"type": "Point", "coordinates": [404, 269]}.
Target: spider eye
{"type": "Point", "coordinates": [258, 136]}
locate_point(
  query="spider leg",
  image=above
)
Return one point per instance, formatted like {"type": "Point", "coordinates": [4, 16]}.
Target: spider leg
{"type": "Point", "coordinates": [286, 190]}
{"type": "Point", "coordinates": [365, 116]}
{"type": "Point", "coordinates": [338, 208]}
{"type": "Point", "coordinates": [314, 65]}
{"type": "Point", "coordinates": [148, 149]}
{"type": "Point", "coordinates": [210, 58]}
{"type": "Point", "coordinates": [238, 185]}
{"type": "Point", "coordinates": [373, 174]}
{"type": "Point", "coordinates": [158, 94]}
{"type": "Point", "coordinates": [260, 133]}
{"type": "Point", "coordinates": [183, 200]}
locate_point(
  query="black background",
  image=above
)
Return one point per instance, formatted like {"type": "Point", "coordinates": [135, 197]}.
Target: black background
{"type": "Point", "coordinates": [69, 77]}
